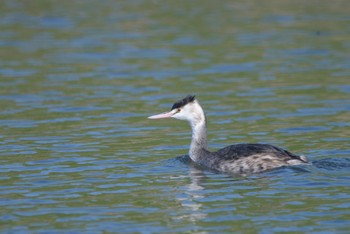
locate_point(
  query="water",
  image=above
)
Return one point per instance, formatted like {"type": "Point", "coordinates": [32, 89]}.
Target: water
{"type": "Point", "coordinates": [78, 80]}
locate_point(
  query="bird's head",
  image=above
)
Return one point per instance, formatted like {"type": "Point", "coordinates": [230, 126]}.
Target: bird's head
{"type": "Point", "coordinates": [185, 109]}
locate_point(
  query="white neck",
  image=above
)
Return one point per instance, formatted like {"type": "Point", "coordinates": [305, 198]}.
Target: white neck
{"type": "Point", "coordinates": [199, 143]}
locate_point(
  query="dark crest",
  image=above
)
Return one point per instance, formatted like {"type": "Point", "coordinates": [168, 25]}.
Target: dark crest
{"type": "Point", "coordinates": [185, 101]}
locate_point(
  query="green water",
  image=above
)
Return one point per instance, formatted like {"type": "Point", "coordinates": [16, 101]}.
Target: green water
{"type": "Point", "coordinates": [79, 78]}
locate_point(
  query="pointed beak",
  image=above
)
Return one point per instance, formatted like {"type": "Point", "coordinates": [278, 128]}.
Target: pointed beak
{"type": "Point", "coordinates": [163, 115]}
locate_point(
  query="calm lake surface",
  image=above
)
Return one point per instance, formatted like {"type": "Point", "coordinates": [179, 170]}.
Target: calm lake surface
{"type": "Point", "coordinates": [79, 78]}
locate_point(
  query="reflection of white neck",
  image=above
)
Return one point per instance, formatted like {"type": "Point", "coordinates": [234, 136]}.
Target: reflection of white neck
{"type": "Point", "coordinates": [199, 143]}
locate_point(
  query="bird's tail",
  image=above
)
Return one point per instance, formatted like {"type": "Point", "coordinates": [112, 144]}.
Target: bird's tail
{"type": "Point", "coordinates": [297, 160]}
{"type": "Point", "coordinates": [303, 158]}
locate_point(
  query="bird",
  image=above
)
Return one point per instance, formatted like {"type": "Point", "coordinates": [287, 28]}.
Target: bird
{"type": "Point", "coordinates": [242, 158]}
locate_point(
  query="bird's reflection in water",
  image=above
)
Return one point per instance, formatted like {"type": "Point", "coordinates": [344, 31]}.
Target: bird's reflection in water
{"type": "Point", "coordinates": [193, 192]}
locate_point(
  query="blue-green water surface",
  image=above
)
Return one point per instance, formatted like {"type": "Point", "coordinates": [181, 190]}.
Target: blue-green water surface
{"type": "Point", "coordinates": [79, 78]}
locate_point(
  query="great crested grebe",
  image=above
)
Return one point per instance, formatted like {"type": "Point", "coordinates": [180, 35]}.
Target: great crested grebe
{"type": "Point", "coordinates": [239, 158]}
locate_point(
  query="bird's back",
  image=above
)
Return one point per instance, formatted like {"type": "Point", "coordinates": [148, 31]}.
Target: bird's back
{"type": "Point", "coordinates": [253, 158]}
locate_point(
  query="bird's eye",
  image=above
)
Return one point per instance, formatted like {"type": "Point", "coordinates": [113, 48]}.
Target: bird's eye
{"type": "Point", "coordinates": [178, 110]}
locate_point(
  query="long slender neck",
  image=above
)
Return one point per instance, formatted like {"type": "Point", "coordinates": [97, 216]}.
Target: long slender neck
{"type": "Point", "coordinates": [199, 143]}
